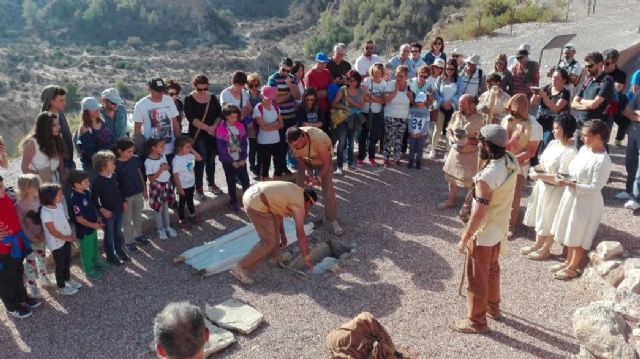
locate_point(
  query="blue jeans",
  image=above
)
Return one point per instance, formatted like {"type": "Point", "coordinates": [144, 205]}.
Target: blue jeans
{"type": "Point", "coordinates": [345, 138]}
{"type": "Point", "coordinates": [113, 237]}
{"type": "Point", "coordinates": [632, 159]}
{"type": "Point", "coordinates": [374, 132]}
{"type": "Point", "coordinates": [416, 147]}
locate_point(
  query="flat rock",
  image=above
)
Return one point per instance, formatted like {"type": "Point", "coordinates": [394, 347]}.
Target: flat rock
{"type": "Point", "coordinates": [235, 315]}
{"type": "Point", "coordinates": [218, 340]}
{"type": "Point", "coordinates": [605, 267]}
{"type": "Point", "coordinates": [631, 281]}
{"type": "Point", "coordinates": [636, 332]}
{"type": "Point", "coordinates": [602, 331]}
{"type": "Point", "coordinates": [609, 250]}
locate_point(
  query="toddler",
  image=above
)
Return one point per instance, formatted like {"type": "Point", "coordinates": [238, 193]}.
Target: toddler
{"type": "Point", "coordinates": [58, 235]}
{"type": "Point", "coordinates": [183, 164]}
{"type": "Point", "coordinates": [160, 187]}
{"type": "Point", "coordinates": [418, 128]}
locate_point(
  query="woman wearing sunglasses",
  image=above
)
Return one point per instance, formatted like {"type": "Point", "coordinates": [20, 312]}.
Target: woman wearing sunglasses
{"type": "Point", "coordinates": [448, 90]}
{"type": "Point", "coordinates": [253, 90]}
{"type": "Point", "coordinates": [500, 68]}
{"type": "Point", "coordinates": [308, 114]}
{"type": "Point", "coordinates": [437, 51]}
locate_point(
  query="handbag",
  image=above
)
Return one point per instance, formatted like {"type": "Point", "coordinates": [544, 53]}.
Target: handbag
{"type": "Point", "coordinates": [339, 113]}
{"type": "Point", "coordinates": [204, 115]}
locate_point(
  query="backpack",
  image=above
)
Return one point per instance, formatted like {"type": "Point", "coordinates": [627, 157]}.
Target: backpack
{"type": "Point", "coordinates": [261, 109]}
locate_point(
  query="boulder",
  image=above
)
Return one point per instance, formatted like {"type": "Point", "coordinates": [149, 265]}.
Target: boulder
{"type": "Point", "coordinates": [630, 302]}
{"type": "Point", "coordinates": [325, 264]}
{"type": "Point", "coordinates": [631, 263]}
{"type": "Point", "coordinates": [594, 281]}
{"type": "Point", "coordinates": [317, 251]}
{"type": "Point", "coordinates": [235, 315]}
{"type": "Point", "coordinates": [605, 267]}
{"type": "Point", "coordinates": [631, 282]}
{"type": "Point", "coordinates": [609, 250]}
{"type": "Point", "coordinates": [602, 331]}
{"type": "Point", "coordinates": [218, 340]}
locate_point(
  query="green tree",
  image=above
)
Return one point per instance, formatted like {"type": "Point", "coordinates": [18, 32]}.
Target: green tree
{"type": "Point", "coordinates": [30, 12]}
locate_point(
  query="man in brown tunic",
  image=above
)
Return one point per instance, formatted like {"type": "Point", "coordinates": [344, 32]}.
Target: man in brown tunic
{"type": "Point", "coordinates": [312, 148]}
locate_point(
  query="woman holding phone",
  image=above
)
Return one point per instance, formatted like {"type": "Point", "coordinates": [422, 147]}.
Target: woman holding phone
{"type": "Point", "coordinates": [553, 100]}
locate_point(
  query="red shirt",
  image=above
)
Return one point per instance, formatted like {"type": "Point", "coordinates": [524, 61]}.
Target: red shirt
{"type": "Point", "coordinates": [9, 224]}
{"type": "Point", "coordinates": [320, 80]}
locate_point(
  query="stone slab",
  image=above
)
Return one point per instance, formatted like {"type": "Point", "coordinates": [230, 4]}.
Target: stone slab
{"type": "Point", "coordinates": [235, 315]}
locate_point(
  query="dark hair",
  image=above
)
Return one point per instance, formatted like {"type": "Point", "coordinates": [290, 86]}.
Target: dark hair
{"type": "Point", "coordinates": [564, 74]}
{"type": "Point", "coordinates": [182, 141]}
{"type": "Point", "coordinates": [122, 145]}
{"type": "Point", "coordinates": [595, 57]}
{"type": "Point", "coordinates": [310, 195]}
{"type": "Point", "coordinates": [153, 142]}
{"type": "Point", "coordinates": [200, 80]}
{"type": "Point", "coordinates": [368, 42]}
{"type": "Point", "coordinates": [495, 151]}
{"type": "Point", "coordinates": [417, 44]}
{"type": "Point", "coordinates": [286, 61]}
{"type": "Point", "coordinates": [76, 176]}
{"type": "Point", "coordinates": [180, 330]}
{"type": "Point", "coordinates": [1, 179]}
{"type": "Point", "coordinates": [494, 77]}
{"type": "Point", "coordinates": [434, 41]}
{"type": "Point", "coordinates": [228, 109]}
{"type": "Point", "coordinates": [310, 92]}
{"type": "Point", "coordinates": [58, 91]}
{"type": "Point", "coordinates": [48, 193]}
{"type": "Point", "coordinates": [353, 74]}
{"type": "Point", "coordinates": [101, 159]}
{"type": "Point", "coordinates": [293, 134]}
{"type": "Point", "coordinates": [610, 54]}
{"type": "Point", "coordinates": [599, 128]}
{"type": "Point", "coordinates": [402, 68]}
{"type": "Point", "coordinates": [296, 67]}
{"type": "Point", "coordinates": [173, 85]}
{"type": "Point", "coordinates": [49, 145]}
{"type": "Point", "coordinates": [239, 78]}
{"type": "Point", "coordinates": [454, 63]}
{"type": "Point", "coordinates": [568, 124]}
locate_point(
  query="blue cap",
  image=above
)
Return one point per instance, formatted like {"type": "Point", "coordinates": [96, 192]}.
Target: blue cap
{"type": "Point", "coordinates": [322, 58]}
{"type": "Point", "coordinates": [89, 104]}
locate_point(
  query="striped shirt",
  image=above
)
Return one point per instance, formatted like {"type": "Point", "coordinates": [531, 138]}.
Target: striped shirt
{"type": "Point", "coordinates": [285, 99]}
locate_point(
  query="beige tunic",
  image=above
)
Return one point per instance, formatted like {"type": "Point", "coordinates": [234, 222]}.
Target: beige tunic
{"type": "Point", "coordinates": [278, 194]}
{"type": "Point", "coordinates": [462, 162]}
{"type": "Point", "coordinates": [318, 142]}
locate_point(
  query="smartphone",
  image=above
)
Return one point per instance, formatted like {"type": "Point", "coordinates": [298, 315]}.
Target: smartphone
{"type": "Point", "coordinates": [535, 89]}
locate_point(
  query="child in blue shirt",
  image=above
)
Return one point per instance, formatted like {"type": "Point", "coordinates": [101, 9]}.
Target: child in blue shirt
{"type": "Point", "coordinates": [418, 128]}
{"type": "Point", "coordinates": [87, 224]}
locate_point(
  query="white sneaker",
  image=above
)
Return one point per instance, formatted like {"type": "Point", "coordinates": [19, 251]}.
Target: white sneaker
{"type": "Point", "coordinates": [631, 204]}
{"type": "Point", "coordinates": [339, 172]}
{"type": "Point", "coordinates": [162, 235]}
{"type": "Point", "coordinates": [623, 195]}
{"type": "Point", "coordinates": [432, 155]}
{"type": "Point", "coordinates": [34, 292]}
{"type": "Point", "coordinates": [74, 284]}
{"type": "Point", "coordinates": [171, 232]}
{"type": "Point", "coordinates": [45, 281]}
{"type": "Point", "coordinates": [67, 291]}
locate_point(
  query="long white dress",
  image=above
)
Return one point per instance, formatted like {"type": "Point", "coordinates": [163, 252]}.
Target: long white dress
{"type": "Point", "coordinates": [544, 200]}
{"type": "Point", "coordinates": [580, 210]}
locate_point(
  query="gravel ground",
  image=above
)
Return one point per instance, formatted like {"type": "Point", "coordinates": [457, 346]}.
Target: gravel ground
{"type": "Point", "coordinates": [406, 272]}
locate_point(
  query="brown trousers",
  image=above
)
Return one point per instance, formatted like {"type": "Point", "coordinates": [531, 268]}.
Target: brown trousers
{"type": "Point", "coordinates": [514, 220]}
{"type": "Point", "coordinates": [269, 233]}
{"type": "Point", "coordinates": [483, 283]}
{"type": "Point", "coordinates": [328, 193]}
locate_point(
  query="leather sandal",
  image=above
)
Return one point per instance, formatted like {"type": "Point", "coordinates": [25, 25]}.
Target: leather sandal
{"type": "Point", "coordinates": [557, 267]}
{"type": "Point", "coordinates": [539, 255]}
{"type": "Point", "coordinates": [529, 249]}
{"type": "Point", "coordinates": [241, 275]}
{"type": "Point", "coordinates": [565, 274]}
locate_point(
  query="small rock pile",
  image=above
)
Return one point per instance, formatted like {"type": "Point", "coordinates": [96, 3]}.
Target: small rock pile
{"type": "Point", "coordinates": [610, 328]}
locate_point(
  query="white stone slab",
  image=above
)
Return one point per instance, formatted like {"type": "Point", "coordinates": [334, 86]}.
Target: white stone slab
{"type": "Point", "coordinates": [235, 315]}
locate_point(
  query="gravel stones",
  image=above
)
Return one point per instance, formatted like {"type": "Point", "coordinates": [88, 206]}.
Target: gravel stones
{"type": "Point", "coordinates": [602, 331]}
{"type": "Point", "coordinates": [235, 315]}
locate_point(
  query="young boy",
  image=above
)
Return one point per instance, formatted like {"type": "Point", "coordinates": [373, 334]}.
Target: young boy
{"type": "Point", "coordinates": [87, 224]}
{"type": "Point", "coordinates": [418, 128]}
{"type": "Point", "coordinates": [108, 200]}
{"type": "Point", "coordinates": [14, 247]}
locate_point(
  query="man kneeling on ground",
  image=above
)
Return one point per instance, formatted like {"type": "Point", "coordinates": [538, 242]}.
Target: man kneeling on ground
{"type": "Point", "coordinates": [180, 332]}
{"type": "Point", "coordinates": [267, 203]}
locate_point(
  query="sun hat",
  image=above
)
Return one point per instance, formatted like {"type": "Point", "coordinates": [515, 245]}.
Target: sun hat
{"type": "Point", "coordinates": [89, 104]}
{"type": "Point", "coordinates": [473, 59]}
{"type": "Point", "coordinates": [456, 52]}
{"type": "Point", "coordinates": [269, 92]}
{"type": "Point", "coordinates": [524, 47]}
{"type": "Point", "coordinates": [112, 95]}
{"type": "Point", "coordinates": [322, 58]}
{"type": "Point", "coordinates": [438, 62]}
{"type": "Point", "coordinates": [495, 134]}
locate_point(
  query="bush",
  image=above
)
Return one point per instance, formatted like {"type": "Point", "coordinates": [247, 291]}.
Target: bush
{"type": "Point", "coordinates": [124, 90]}
{"type": "Point", "coordinates": [73, 96]}
{"type": "Point", "coordinates": [134, 41]}
{"type": "Point", "coordinates": [173, 45]}
{"type": "Point", "coordinates": [4, 87]}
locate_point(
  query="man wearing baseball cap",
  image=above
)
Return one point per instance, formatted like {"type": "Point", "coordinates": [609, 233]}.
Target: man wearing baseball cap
{"type": "Point", "coordinates": [487, 227]}
{"type": "Point", "coordinates": [156, 116]}
{"type": "Point", "coordinates": [319, 78]}
{"type": "Point", "coordinates": [114, 113]}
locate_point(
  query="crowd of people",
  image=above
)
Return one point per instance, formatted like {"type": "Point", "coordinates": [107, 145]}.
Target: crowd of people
{"type": "Point", "coordinates": [495, 128]}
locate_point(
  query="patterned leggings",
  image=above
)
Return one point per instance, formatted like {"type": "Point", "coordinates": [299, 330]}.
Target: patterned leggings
{"type": "Point", "coordinates": [393, 132]}
{"type": "Point", "coordinates": [34, 265]}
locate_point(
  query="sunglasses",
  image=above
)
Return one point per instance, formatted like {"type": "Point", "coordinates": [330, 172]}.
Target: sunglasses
{"type": "Point", "coordinates": [285, 70]}
{"type": "Point", "coordinates": [519, 57]}
{"type": "Point", "coordinates": [415, 51]}
{"type": "Point", "coordinates": [368, 48]}
{"type": "Point", "coordinates": [500, 64]}
{"type": "Point", "coordinates": [589, 65]}
{"type": "Point", "coordinates": [424, 76]}
{"type": "Point", "coordinates": [608, 63]}
{"type": "Point", "coordinates": [310, 99]}
{"type": "Point", "coordinates": [171, 93]}
{"type": "Point", "coordinates": [253, 86]}
{"type": "Point", "coordinates": [202, 89]}
{"type": "Point", "coordinates": [449, 68]}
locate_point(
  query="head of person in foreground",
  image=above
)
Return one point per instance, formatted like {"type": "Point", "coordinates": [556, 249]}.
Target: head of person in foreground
{"type": "Point", "coordinates": [180, 332]}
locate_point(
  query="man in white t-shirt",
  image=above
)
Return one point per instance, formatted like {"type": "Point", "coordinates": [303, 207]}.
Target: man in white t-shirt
{"type": "Point", "coordinates": [156, 116]}
{"type": "Point", "coordinates": [367, 59]}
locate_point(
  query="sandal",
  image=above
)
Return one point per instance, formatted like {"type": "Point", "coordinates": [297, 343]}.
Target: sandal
{"type": "Point", "coordinates": [539, 255]}
{"type": "Point", "coordinates": [565, 274]}
{"type": "Point", "coordinates": [557, 267]}
{"type": "Point", "coordinates": [241, 275]}
{"type": "Point", "coordinates": [529, 249]}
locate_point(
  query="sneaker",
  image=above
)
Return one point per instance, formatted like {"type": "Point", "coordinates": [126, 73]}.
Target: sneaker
{"type": "Point", "coordinates": [352, 167]}
{"type": "Point", "coordinates": [162, 235]}
{"type": "Point", "coordinates": [34, 292]}
{"type": "Point", "coordinates": [114, 261]}
{"type": "Point", "coordinates": [132, 247]}
{"type": "Point", "coordinates": [124, 257]}
{"type": "Point", "coordinates": [45, 281]}
{"type": "Point", "coordinates": [94, 275]}
{"type": "Point", "coordinates": [215, 190]}
{"type": "Point", "coordinates": [171, 232]}
{"type": "Point", "coordinates": [631, 204]}
{"type": "Point", "coordinates": [234, 207]}
{"type": "Point", "coordinates": [67, 291]}
{"type": "Point", "coordinates": [387, 163]}
{"type": "Point", "coordinates": [373, 162]}
{"type": "Point", "coordinates": [623, 195]}
{"type": "Point", "coordinates": [410, 164]}
{"type": "Point", "coordinates": [20, 312]}
{"type": "Point", "coordinates": [73, 283]}
{"type": "Point", "coordinates": [142, 240]}
{"type": "Point", "coordinates": [432, 155]}
{"type": "Point", "coordinates": [418, 165]}
{"type": "Point", "coordinates": [359, 163]}
{"type": "Point", "coordinates": [31, 303]}
{"type": "Point", "coordinates": [339, 172]}
{"type": "Point", "coordinates": [241, 275]}
{"type": "Point", "coordinates": [200, 196]}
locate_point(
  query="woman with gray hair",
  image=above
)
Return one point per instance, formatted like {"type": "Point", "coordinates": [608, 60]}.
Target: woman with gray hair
{"type": "Point", "coordinates": [180, 332]}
